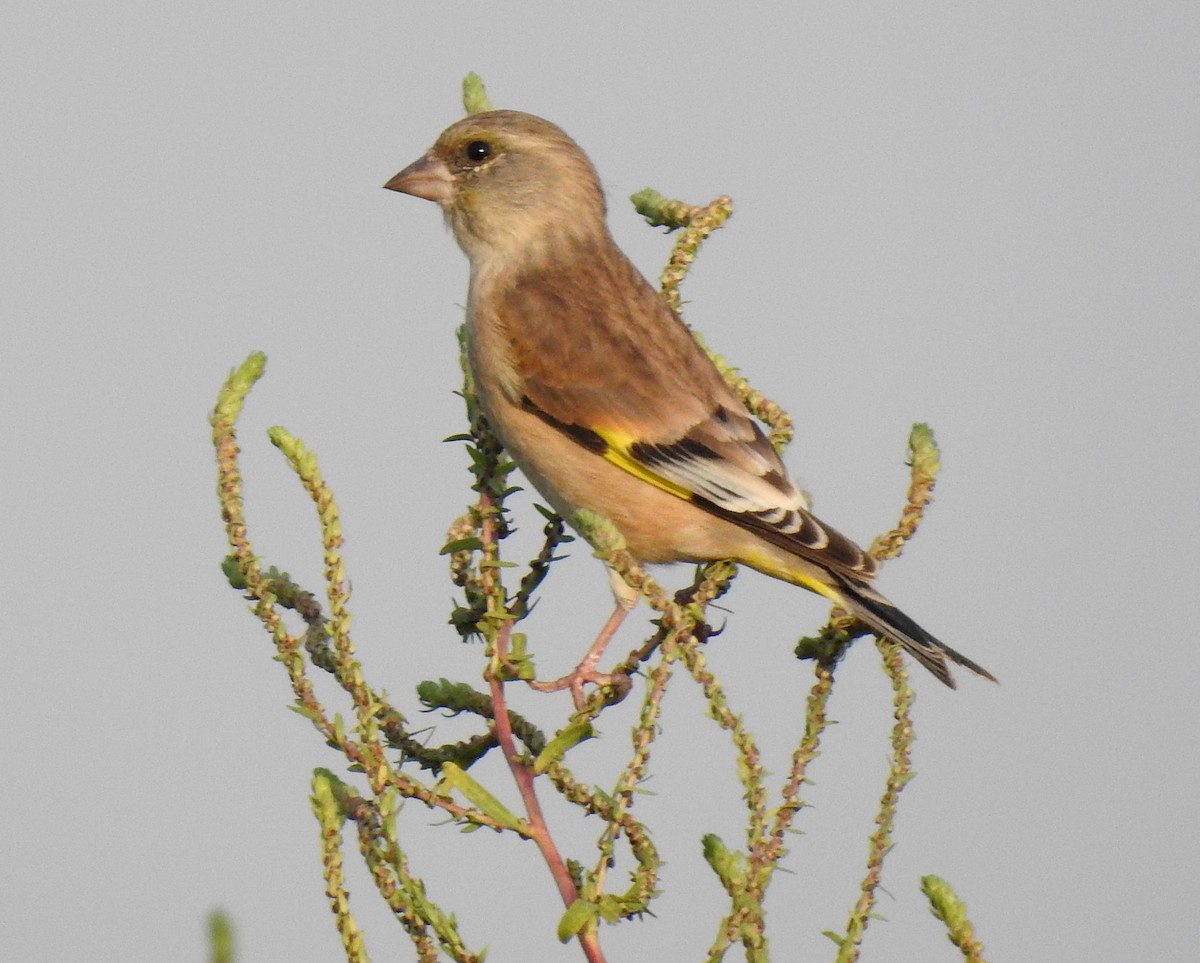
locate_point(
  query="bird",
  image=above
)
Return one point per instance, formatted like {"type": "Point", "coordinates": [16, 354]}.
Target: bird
{"type": "Point", "coordinates": [601, 394]}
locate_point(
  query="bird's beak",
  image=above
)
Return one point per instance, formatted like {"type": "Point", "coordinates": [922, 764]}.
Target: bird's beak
{"type": "Point", "coordinates": [428, 178]}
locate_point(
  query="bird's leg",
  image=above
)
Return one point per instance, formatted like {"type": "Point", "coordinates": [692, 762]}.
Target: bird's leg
{"type": "Point", "coordinates": [585, 672]}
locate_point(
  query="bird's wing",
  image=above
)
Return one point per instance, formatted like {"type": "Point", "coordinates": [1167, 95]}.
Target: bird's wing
{"type": "Point", "coordinates": [643, 395]}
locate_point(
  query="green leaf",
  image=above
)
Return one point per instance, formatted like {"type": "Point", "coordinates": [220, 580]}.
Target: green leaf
{"type": "Point", "coordinates": [232, 569]}
{"type": "Point", "coordinates": [729, 866]}
{"type": "Point", "coordinates": [472, 544]}
{"type": "Point", "coordinates": [309, 713]}
{"type": "Point", "coordinates": [475, 98]}
{"type": "Point", "coordinates": [220, 937]}
{"type": "Point", "coordinates": [611, 907]}
{"type": "Point", "coordinates": [658, 211]}
{"type": "Point", "coordinates": [564, 741]}
{"type": "Point", "coordinates": [457, 778]}
{"type": "Point", "coordinates": [924, 454]}
{"type": "Point", "coordinates": [578, 916]}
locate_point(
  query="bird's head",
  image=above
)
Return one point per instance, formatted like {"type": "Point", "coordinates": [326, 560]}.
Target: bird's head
{"type": "Point", "coordinates": [509, 184]}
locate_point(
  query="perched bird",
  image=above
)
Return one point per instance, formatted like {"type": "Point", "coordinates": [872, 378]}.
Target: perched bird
{"type": "Point", "coordinates": [600, 393]}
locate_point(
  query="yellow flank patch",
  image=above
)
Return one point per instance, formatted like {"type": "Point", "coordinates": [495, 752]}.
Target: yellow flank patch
{"type": "Point", "coordinates": [770, 565]}
{"type": "Point", "coordinates": [617, 452]}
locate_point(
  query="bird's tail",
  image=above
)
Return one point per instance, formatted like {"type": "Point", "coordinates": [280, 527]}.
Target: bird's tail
{"type": "Point", "coordinates": [871, 608]}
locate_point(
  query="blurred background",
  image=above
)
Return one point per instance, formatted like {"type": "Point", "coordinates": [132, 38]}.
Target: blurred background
{"type": "Point", "coordinates": [982, 217]}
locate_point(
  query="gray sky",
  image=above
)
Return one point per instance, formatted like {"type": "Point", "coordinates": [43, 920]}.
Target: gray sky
{"type": "Point", "coordinates": [980, 217]}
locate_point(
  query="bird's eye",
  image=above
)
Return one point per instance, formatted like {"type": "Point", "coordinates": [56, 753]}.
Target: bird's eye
{"type": "Point", "coordinates": [478, 151]}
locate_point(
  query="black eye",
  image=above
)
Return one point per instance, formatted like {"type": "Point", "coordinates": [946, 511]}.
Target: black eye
{"type": "Point", "coordinates": [479, 150]}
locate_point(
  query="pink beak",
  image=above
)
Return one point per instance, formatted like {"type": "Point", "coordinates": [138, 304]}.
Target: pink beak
{"type": "Point", "coordinates": [428, 178]}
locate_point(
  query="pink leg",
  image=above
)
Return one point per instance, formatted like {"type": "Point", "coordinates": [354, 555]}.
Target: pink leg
{"type": "Point", "coordinates": [586, 670]}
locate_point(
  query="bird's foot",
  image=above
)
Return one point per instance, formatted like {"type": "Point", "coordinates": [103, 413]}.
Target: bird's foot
{"type": "Point", "coordinates": [586, 671]}
{"type": "Point", "coordinates": [584, 674]}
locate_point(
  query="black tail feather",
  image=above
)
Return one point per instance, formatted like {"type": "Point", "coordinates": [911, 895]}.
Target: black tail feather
{"type": "Point", "coordinates": [883, 617]}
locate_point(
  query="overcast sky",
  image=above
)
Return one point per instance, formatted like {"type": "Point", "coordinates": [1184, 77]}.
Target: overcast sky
{"type": "Point", "coordinates": [979, 216]}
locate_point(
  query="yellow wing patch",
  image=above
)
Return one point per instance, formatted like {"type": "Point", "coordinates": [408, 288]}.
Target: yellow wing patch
{"type": "Point", "coordinates": [616, 450]}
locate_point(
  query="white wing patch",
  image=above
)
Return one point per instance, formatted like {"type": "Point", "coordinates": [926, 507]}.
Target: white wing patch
{"type": "Point", "coordinates": [728, 461]}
